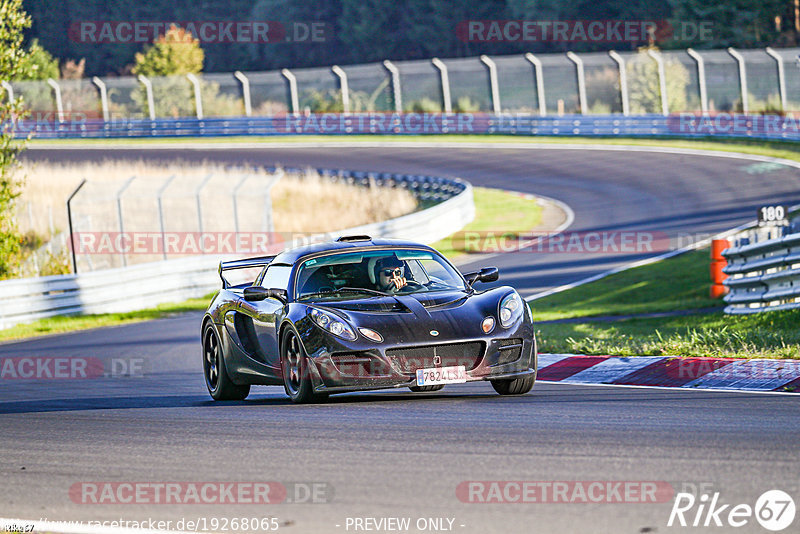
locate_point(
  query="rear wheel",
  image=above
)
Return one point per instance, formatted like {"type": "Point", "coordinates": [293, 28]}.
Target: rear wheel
{"type": "Point", "coordinates": [219, 384]}
{"type": "Point", "coordinates": [421, 389]}
{"type": "Point", "coordinates": [295, 369]}
{"type": "Point", "coordinates": [516, 386]}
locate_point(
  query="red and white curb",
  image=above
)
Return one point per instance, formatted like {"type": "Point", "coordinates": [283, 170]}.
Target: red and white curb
{"type": "Point", "coordinates": [672, 371]}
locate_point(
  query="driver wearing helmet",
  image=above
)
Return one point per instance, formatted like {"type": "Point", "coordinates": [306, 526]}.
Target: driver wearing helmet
{"type": "Point", "coordinates": [389, 274]}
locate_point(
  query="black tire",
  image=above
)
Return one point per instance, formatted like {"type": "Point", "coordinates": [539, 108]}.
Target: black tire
{"type": "Point", "coordinates": [516, 386]}
{"type": "Point", "coordinates": [219, 384]}
{"type": "Point", "coordinates": [425, 389]}
{"type": "Point", "coordinates": [294, 368]}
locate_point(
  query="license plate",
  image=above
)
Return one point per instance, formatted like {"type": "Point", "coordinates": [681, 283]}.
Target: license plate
{"type": "Point", "coordinates": [456, 374]}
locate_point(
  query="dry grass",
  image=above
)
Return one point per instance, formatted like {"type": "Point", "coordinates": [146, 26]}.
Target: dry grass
{"type": "Point", "coordinates": [303, 203]}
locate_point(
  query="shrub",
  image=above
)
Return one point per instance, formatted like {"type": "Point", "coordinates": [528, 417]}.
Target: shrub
{"type": "Point", "coordinates": [644, 91]}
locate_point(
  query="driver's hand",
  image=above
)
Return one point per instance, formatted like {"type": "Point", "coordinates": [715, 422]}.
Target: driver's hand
{"type": "Point", "coordinates": [399, 282]}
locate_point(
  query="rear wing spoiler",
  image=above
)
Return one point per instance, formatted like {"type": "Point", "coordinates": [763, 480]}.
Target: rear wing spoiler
{"type": "Point", "coordinates": [260, 261]}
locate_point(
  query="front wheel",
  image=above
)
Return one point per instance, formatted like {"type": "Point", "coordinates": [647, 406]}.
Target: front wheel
{"type": "Point", "coordinates": [515, 386]}
{"type": "Point", "coordinates": [295, 370]}
{"type": "Point", "coordinates": [219, 384]}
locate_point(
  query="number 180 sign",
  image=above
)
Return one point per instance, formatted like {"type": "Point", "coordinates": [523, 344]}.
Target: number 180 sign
{"type": "Point", "coordinates": [773, 216]}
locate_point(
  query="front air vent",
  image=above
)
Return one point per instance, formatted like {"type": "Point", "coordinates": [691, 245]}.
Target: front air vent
{"type": "Point", "coordinates": [409, 359]}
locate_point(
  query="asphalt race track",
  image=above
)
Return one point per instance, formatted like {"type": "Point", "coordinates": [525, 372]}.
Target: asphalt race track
{"type": "Point", "coordinates": [400, 454]}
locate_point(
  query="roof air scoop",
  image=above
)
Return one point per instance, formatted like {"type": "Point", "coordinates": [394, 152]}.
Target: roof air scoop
{"type": "Point", "coordinates": [349, 238]}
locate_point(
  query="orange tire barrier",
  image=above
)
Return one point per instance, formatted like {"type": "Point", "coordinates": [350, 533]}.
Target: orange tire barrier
{"type": "Point", "coordinates": [718, 262]}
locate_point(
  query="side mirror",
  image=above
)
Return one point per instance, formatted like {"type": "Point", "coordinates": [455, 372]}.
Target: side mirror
{"type": "Point", "coordinates": [487, 274]}
{"type": "Point", "coordinates": [256, 293]}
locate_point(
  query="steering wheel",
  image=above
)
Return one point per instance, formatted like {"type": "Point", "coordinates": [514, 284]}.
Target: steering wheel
{"type": "Point", "coordinates": [325, 289]}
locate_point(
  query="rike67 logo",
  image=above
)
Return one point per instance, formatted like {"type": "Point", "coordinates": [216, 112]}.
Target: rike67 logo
{"type": "Point", "coordinates": [774, 510]}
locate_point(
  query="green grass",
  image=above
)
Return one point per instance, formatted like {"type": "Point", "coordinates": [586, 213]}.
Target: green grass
{"type": "Point", "coordinates": [498, 212]}
{"type": "Point", "coordinates": [678, 283]}
{"type": "Point", "coordinates": [70, 323]}
{"type": "Point", "coordinates": [490, 214]}
{"type": "Point", "coordinates": [778, 149]}
{"type": "Point", "coordinates": [767, 335]}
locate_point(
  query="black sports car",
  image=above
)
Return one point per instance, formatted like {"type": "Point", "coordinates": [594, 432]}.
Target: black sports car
{"type": "Point", "coordinates": [363, 314]}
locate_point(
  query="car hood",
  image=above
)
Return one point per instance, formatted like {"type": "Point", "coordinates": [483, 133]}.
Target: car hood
{"type": "Point", "coordinates": [409, 318]}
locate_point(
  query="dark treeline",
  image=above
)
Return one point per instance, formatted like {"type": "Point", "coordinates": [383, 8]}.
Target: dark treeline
{"type": "Point", "coordinates": [358, 31]}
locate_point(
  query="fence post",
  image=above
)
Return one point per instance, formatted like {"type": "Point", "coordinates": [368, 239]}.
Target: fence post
{"type": "Point", "coordinates": [493, 85]}
{"type": "Point", "coordinates": [343, 88]}
{"type": "Point", "coordinates": [537, 67]}
{"type": "Point", "coordinates": [701, 78]}
{"type": "Point", "coordinates": [9, 90]}
{"type": "Point", "coordinates": [103, 96]}
{"type": "Point", "coordinates": [57, 92]}
{"type": "Point", "coordinates": [447, 103]}
{"type": "Point", "coordinates": [294, 102]}
{"type": "Point", "coordinates": [742, 79]}
{"type": "Point", "coordinates": [623, 81]}
{"type": "Point", "coordinates": [781, 76]}
{"type": "Point", "coordinates": [161, 215]}
{"type": "Point", "coordinates": [581, 80]}
{"type": "Point", "coordinates": [248, 109]}
{"type": "Point", "coordinates": [396, 89]}
{"type": "Point", "coordinates": [119, 217]}
{"type": "Point", "coordinates": [69, 223]}
{"type": "Point", "coordinates": [662, 80]}
{"type": "Point", "coordinates": [198, 97]}
{"type": "Point", "coordinates": [148, 87]}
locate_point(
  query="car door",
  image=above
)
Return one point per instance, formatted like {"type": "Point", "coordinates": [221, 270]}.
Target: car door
{"type": "Point", "coordinates": [265, 315]}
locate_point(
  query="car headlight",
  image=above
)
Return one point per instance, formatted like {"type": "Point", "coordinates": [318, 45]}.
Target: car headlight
{"type": "Point", "coordinates": [333, 324]}
{"type": "Point", "coordinates": [510, 309]}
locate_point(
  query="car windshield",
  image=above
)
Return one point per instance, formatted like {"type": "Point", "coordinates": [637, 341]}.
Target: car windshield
{"type": "Point", "coordinates": [375, 273]}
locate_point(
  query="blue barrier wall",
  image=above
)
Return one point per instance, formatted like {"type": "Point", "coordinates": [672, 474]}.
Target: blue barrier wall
{"type": "Point", "coordinates": [771, 127]}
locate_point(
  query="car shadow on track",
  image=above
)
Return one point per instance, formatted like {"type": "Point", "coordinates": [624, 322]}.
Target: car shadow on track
{"type": "Point", "coordinates": [542, 395]}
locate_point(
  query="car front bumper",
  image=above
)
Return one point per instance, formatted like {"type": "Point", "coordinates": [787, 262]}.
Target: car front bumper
{"type": "Point", "coordinates": [346, 368]}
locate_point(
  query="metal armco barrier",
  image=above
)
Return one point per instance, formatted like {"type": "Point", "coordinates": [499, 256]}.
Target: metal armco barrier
{"type": "Point", "coordinates": [763, 276]}
{"type": "Point", "coordinates": [689, 125]}
{"type": "Point", "coordinates": [146, 285]}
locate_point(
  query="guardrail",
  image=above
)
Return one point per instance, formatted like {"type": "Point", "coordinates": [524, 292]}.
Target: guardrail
{"type": "Point", "coordinates": [763, 276]}
{"type": "Point", "coordinates": [146, 285]}
{"type": "Point", "coordinates": [688, 125]}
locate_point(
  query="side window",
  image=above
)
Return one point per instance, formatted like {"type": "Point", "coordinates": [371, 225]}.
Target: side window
{"type": "Point", "coordinates": [418, 273]}
{"type": "Point", "coordinates": [277, 277]}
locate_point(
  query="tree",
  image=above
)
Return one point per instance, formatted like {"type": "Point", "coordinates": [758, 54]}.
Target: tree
{"type": "Point", "coordinates": [175, 52]}
{"type": "Point", "coordinates": [37, 64]}
{"type": "Point", "coordinates": [171, 56]}
{"type": "Point", "coordinates": [13, 21]}
{"type": "Point", "coordinates": [738, 23]}
{"type": "Point", "coordinates": [644, 89]}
